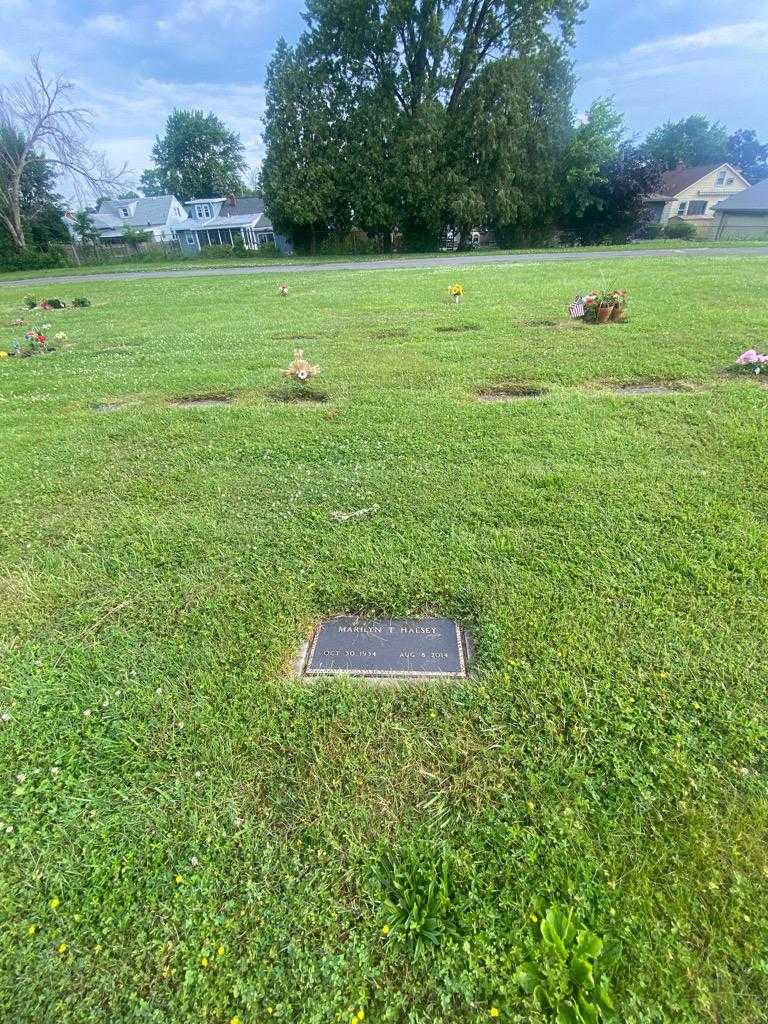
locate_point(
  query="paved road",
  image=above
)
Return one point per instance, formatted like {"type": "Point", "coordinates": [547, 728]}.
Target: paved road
{"type": "Point", "coordinates": [415, 263]}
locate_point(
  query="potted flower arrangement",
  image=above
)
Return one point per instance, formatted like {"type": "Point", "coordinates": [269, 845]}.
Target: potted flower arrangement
{"type": "Point", "coordinates": [455, 292]}
{"type": "Point", "coordinates": [752, 360]}
{"type": "Point", "coordinates": [604, 306]}
{"type": "Point", "coordinates": [600, 307]}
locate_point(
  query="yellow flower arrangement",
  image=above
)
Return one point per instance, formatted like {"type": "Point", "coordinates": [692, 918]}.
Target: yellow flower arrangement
{"type": "Point", "coordinates": [300, 370]}
{"type": "Point", "coordinates": [3, 355]}
{"type": "Point", "coordinates": [456, 291]}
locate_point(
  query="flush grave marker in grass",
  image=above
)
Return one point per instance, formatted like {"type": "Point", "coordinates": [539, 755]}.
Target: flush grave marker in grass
{"type": "Point", "coordinates": [387, 648]}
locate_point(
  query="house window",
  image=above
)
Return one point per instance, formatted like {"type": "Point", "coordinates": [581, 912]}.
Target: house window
{"type": "Point", "coordinates": [697, 208]}
{"type": "Point", "coordinates": [681, 209]}
{"type": "Point", "coordinates": [203, 211]}
{"type": "Point", "coordinates": [720, 179]}
{"type": "Point", "coordinates": [125, 212]}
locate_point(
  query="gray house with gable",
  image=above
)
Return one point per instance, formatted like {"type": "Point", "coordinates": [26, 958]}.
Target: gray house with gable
{"type": "Point", "coordinates": [195, 224]}
{"type": "Point", "coordinates": [227, 221]}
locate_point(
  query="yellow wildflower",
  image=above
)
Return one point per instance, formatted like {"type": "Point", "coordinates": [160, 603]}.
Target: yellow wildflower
{"type": "Point", "coordinates": [385, 930]}
{"type": "Point", "coordinates": [534, 918]}
{"type": "Point", "coordinates": [179, 879]}
{"type": "Point", "coordinates": [221, 951]}
{"type": "Point", "coordinates": [203, 961]}
{"type": "Point", "coordinates": [3, 355]}
{"type": "Point", "coordinates": [235, 1020]}
{"type": "Point", "coordinates": [54, 902]}
{"type": "Point", "coordinates": [32, 929]}
{"type": "Point", "coordinates": [361, 1014]}
{"type": "Point", "coordinates": [494, 1011]}
{"type": "Point", "coordinates": [63, 948]}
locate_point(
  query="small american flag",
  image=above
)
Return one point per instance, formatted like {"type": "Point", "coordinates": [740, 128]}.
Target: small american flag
{"type": "Point", "coordinates": [576, 308]}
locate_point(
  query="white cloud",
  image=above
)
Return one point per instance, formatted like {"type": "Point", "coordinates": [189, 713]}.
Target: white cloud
{"type": "Point", "coordinates": [223, 11]}
{"type": "Point", "coordinates": [751, 35]}
{"type": "Point", "coordinates": [108, 25]}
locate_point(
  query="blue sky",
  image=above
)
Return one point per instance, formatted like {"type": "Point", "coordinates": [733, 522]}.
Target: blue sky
{"type": "Point", "coordinates": [134, 60]}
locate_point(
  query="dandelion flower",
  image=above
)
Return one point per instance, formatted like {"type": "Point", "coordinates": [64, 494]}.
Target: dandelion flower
{"type": "Point", "coordinates": [54, 902]}
{"type": "Point", "coordinates": [385, 930]}
{"type": "Point", "coordinates": [534, 918]}
{"type": "Point", "coordinates": [203, 961]}
{"type": "Point", "coordinates": [62, 948]}
{"type": "Point", "coordinates": [361, 1014]}
{"type": "Point", "coordinates": [32, 929]}
{"type": "Point", "coordinates": [221, 951]}
{"type": "Point", "coordinates": [179, 879]}
{"type": "Point", "coordinates": [494, 1011]}
{"type": "Point", "coordinates": [235, 1020]}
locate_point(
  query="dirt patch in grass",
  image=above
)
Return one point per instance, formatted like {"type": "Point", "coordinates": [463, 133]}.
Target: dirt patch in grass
{"type": "Point", "coordinates": [509, 392]}
{"type": "Point", "coordinates": [458, 328]}
{"type": "Point", "coordinates": [649, 387]}
{"type": "Point", "coordinates": [200, 401]}
{"type": "Point", "coordinates": [299, 397]}
{"type": "Point", "coordinates": [393, 333]}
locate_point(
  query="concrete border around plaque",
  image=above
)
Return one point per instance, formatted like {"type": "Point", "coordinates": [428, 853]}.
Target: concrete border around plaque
{"type": "Point", "coordinates": [380, 650]}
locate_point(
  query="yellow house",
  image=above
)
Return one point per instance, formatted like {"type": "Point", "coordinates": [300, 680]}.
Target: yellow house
{"type": "Point", "coordinates": [693, 193]}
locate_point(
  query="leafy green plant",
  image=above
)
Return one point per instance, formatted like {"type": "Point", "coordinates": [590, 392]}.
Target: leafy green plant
{"type": "Point", "coordinates": [81, 302]}
{"type": "Point", "coordinates": [565, 972]}
{"type": "Point", "coordinates": [679, 229]}
{"type": "Point", "coordinates": [415, 892]}
{"type": "Point", "coordinates": [30, 301]}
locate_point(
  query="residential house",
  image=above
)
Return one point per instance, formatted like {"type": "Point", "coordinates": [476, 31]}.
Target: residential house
{"type": "Point", "coordinates": [158, 216]}
{"type": "Point", "coordinates": [744, 215]}
{"type": "Point", "coordinates": [227, 221]}
{"type": "Point", "coordinates": [693, 193]}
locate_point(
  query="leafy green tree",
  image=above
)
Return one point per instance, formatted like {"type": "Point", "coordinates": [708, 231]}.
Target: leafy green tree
{"type": "Point", "coordinates": [384, 127]}
{"type": "Point", "coordinates": [40, 207]}
{"type": "Point", "coordinates": [83, 226]}
{"type": "Point", "coordinates": [197, 156]}
{"type": "Point", "coordinates": [133, 237]}
{"type": "Point", "coordinates": [693, 141]}
{"type": "Point", "coordinates": [748, 155]}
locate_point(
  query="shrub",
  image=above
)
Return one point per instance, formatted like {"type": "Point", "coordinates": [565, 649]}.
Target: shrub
{"type": "Point", "coordinates": [35, 259]}
{"type": "Point", "coordinates": [655, 230]}
{"type": "Point", "coordinates": [268, 249]}
{"type": "Point", "coordinates": [679, 229]}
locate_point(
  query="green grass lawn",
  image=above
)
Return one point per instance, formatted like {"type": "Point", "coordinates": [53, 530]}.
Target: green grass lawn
{"type": "Point", "coordinates": [123, 266]}
{"type": "Point", "coordinates": [191, 835]}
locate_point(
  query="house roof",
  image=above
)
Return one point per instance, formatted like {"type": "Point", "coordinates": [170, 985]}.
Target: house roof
{"type": "Point", "coordinates": [241, 205]}
{"type": "Point", "coordinates": [752, 200]}
{"type": "Point", "coordinates": [245, 220]}
{"type": "Point", "coordinates": [147, 211]}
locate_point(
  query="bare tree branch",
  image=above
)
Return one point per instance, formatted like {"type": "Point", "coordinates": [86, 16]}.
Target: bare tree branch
{"type": "Point", "coordinates": [37, 123]}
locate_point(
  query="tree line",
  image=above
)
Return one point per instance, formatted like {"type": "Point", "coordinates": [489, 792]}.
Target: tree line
{"type": "Point", "coordinates": [404, 118]}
